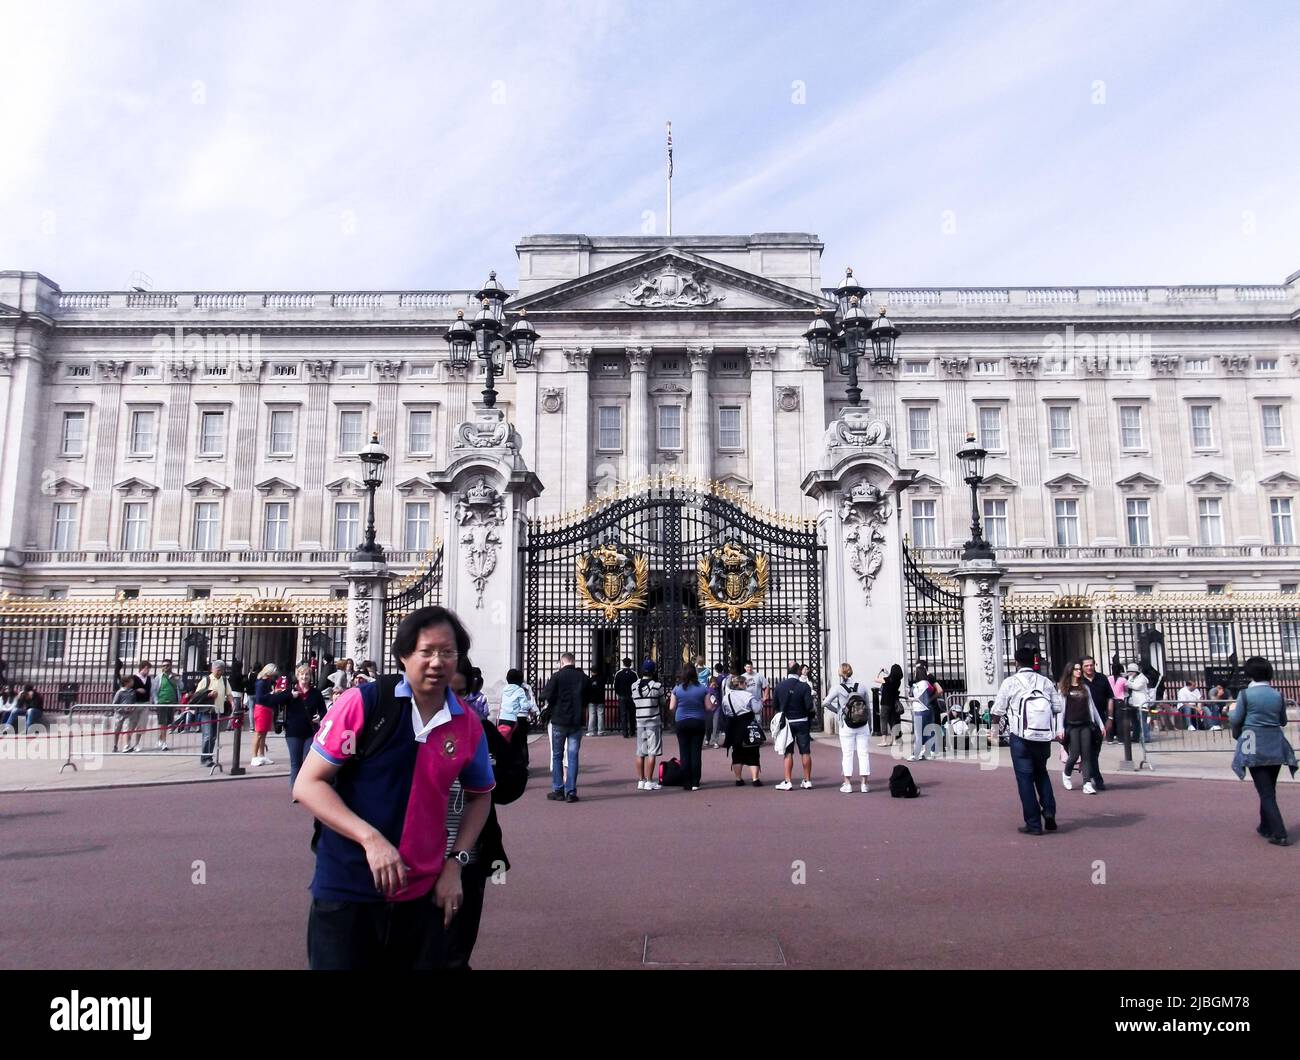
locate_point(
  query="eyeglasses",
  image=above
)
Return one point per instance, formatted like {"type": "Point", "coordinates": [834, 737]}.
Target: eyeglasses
{"type": "Point", "coordinates": [442, 654]}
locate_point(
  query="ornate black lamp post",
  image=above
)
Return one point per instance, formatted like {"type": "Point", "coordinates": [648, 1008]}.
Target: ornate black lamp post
{"type": "Point", "coordinates": [972, 463]}
{"type": "Point", "coordinates": [849, 335]}
{"type": "Point", "coordinates": [374, 459]}
{"type": "Point", "coordinates": [489, 337]}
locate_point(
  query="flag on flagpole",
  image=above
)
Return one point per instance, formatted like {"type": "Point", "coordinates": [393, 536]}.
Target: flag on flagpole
{"type": "Point", "coordinates": [670, 150]}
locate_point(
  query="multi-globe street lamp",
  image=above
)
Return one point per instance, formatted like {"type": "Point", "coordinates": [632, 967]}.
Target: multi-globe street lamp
{"type": "Point", "coordinates": [490, 338]}
{"type": "Point", "coordinates": [848, 335]}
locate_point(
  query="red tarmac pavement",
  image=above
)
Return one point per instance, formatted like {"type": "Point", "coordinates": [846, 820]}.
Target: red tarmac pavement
{"type": "Point", "coordinates": [624, 878]}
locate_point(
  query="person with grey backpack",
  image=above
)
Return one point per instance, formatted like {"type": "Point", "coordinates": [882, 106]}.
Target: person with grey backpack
{"type": "Point", "coordinates": [1035, 713]}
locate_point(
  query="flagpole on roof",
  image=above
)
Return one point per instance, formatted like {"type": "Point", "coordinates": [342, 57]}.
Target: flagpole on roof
{"type": "Point", "coordinates": [670, 178]}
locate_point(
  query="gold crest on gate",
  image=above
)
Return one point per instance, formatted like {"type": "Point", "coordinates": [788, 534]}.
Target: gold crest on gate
{"type": "Point", "coordinates": [611, 580]}
{"type": "Point", "coordinates": [732, 578]}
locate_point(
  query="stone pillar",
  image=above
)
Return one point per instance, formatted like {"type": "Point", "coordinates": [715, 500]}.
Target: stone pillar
{"type": "Point", "coordinates": [762, 411]}
{"type": "Point", "coordinates": [983, 649]}
{"type": "Point", "coordinates": [24, 410]}
{"type": "Point", "coordinates": [638, 413]}
{"type": "Point", "coordinates": [488, 488]}
{"type": "Point", "coordinates": [857, 491]}
{"type": "Point", "coordinates": [367, 583]}
{"type": "Point", "coordinates": [701, 449]}
{"type": "Point", "coordinates": [577, 432]}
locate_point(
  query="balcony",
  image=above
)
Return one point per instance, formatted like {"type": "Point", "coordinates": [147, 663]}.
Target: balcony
{"type": "Point", "coordinates": [220, 558]}
{"type": "Point", "coordinates": [1137, 553]}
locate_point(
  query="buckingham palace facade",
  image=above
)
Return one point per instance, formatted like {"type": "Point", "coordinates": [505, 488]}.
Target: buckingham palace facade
{"type": "Point", "coordinates": [174, 444]}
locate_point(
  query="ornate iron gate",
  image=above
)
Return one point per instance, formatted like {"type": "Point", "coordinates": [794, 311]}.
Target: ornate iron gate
{"type": "Point", "coordinates": [935, 626]}
{"type": "Point", "coordinates": [421, 588]}
{"type": "Point", "coordinates": [675, 571]}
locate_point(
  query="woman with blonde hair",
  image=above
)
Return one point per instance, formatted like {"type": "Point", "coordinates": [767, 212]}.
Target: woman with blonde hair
{"type": "Point", "coordinates": [738, 711]}
{"type": "Point", "coordinates": [302, 717]}
{"type": "Point", "coordinates": [848, 702]}
{"type": "Point", "coordinates": [269, 693]}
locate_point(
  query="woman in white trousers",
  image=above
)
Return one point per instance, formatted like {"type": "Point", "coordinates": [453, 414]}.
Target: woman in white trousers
{"type": "Point", "coordinates": [848, 701]}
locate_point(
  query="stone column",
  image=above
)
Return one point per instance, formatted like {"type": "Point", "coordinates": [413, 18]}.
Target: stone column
{"type": "Point", "coordinates": [762, 410]}
{"type": "Point", "coordinates": [244, 443]}
{"type": "Point", "coordinates": [24, 411]}
{"type": "Point", "coordinates": [701, 448]}
{"type": "Point", "coordinates": [577, 434]}
{"type": "Point", "coordinates": [983, 650]}
{"type": "Point", "coordinates": [638, 413]}
{"type": "Point", "coordinates": [367, 583]}
{"type": "Point", "coordinates": [857, 489]}
{"type": "Point", "coordinates": [97, 516]}
{"type": "Point", "coordinates": [311, 504]}
{"type": "Point", "coordinates": [487, 488]}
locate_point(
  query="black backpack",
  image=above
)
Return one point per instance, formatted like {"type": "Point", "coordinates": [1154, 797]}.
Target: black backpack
{"type": "Point", "coordinates": [856, 712]}
{"type": "Point", "coordinates": [379, 726]}
{"type": "Point", "coordinates": [901, 784]}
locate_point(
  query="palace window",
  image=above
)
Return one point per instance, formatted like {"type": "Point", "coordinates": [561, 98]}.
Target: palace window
{"type": "Point", "coordinates": [282, 433]}
{"type": "Point", "coordinates": [352, 430]}
{"type": "Point", "coordinates": [135, 525]}
{"type": "Point", "coordinates": [347, 524]}
{"type": "Point", "coordinates": [1279, 509]}
{"type": "Point", "coordinates": [1067, 521]}
{"type": "Point", "coordinates": [1060, 420]}
{"type": "Point", "coordinates": [207, 526]}
{"type": "Point", "coordinates": [212, 434]}
{"type": "Point", "coordinates": [1209, 514]}
{"type": "Point", "coordinates": [417, 526]}
{"type": "Point", "coordinates": [1130, 427]}
{"type": "Point", "coordinates": [1202, 427]}
{"type": "Point", "coordinates": [56, 639]}
{"type": "Point", "coordinates": [1220, 637]}
{"type": "Point", "coordinates": [1274, 436]}
{"type": "Point", "coordinates": [142, 432]}
{"type": "Point", "coordinates": [74, 434]}
{"type": "Point", "coordinates": [923, 524]}
{"type": "Point", "coordinates": [919, 436]}
{"type": "Point", "coordinates": [927, 643]}
{"type": "Point", "coordinates": [275, 526]}
{"type": "Point", "coordinates": [670, 426]}
{"type": "Point", "coordinates": [729, 435]}
{"type": "Point", "coordinates": [609, 428]}
{"type": "Point", "coordinates": [995, 523]}
{"type": "Point", "coordinates": [1198, 365]}
{"type": "Point", "coordinates": [419, 432]}
{"type": "Point", "coordinates": [65, 527]}
{"type": "Point", "coordinates": [1137, 517]}
{"type": "Point", "coordinates": [990, 425]}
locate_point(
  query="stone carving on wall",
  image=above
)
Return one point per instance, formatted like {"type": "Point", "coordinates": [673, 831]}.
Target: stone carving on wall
{"type": "Point", "coordinates": [577, 357]}
{"type": "Point", "coordinates": [319, 370]}
{"type": "Point", "coordinates": [762, 358]}
{"type": "Point", "coordinates": [1165, 363]}
{"type": "Point", "coordinates": [1024, 365]}
{"type": "Point", "coordinates": [248, 371]}
{"type": "Point", "coordinates": [699, 357]}
{"type": "Point", "coordinates": [787, 398]}
{"type": "Point", "coordinates": [865, 512]}
{"type": "Point", "coordinates": [856, 428]}
{"type": "Point", "coordinates": [480, 510]}
{"type": "Point", "coordinates": [111, 371]}
{"type": "Point", "coordinates": [181, 371]}
{"type": "Point", "coordinates": [671, 290]}
{"type": "Point", "coordinates": [988, 634]}
{"type": "Point", "coordinates": [1234, 362]}
{"type": "Point", "coordinates": [388, 370]}
{"type": "Point", "coordinates": [552, 399]}
{"type": "Point", "coordinates": [486, 433]}
{"type": "Point", "coordinates": [954, 365]}
{"type": "Point", "coordinates": [638, 357]}
{"type": "Point", "coordinates": [361, 624]}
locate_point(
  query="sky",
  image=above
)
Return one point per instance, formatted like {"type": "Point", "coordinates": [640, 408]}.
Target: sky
{"type": "Point", "coordinates": [328, 146]}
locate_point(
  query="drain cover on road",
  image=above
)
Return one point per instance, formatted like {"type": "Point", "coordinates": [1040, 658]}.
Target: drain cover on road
{"type": "Point", "coordinates": [703, 950]}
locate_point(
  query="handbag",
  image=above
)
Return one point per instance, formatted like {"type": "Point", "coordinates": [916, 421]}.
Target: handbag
{"type": "Point", "coordinates": [753, 734]}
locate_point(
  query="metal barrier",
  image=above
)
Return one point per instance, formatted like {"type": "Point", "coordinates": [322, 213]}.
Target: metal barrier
{"type": "Point", "coordinates": [91, 731]}
{"type": "Point", "coordinates": [1167, 726]}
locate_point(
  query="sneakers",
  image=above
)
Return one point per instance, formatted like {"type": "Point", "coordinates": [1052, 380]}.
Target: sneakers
{"type": "Point", "coordinates": [654, 785]}
{"type": "Point", "coordinates": [643, 785]}
{"type": "Point", "coordinates": [739, 783]}
{"type": "Point", "coordinates": [911, 758]}
{"type": "Point", "coordinates": [162, 747]}
{"type": "Point", "coordinates": [1065, 779]}
{"type": "Point", "coordinates": [267, 761]}
{"type": "Point", "coordinates": [1088, 789]}
{"type": "Point", "coordinates": [555, 796]}
{"type": "Point", "coordinates": [785, 785]}
{"type": "Point", "coordinates": [571, 797]}
{"type": "Point", "coordinates": [806, 784]}
{"type": "Point", "coordinates": [846, 787]}
{"type": "Point", "coordinates": [758, 783]}
{"type": "Point", "coordinates": [258, 761]}
{"type": "Point", "coordinates": [865, 789]}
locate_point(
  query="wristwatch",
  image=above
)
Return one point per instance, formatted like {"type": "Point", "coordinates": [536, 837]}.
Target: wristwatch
{"type": "Point", "coordinates": [461, 856]}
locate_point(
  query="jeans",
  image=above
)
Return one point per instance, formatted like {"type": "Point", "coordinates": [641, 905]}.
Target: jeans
{"type": "Point", "coordinates": [626, 713]}
{"type": "Point", "coordinates": [596, 719]}
{"type": "Point", "coordinates": [922, 720]}
{"type": "Point", "coordinates": [1190, 716]}
{"type": "Point", "coordinates": [376, 936]}
{"type": "Point", "coordinates": [715, 727]}
{"type": "Point", "coordinates": [565, 739]}
{"type": "Point", "coordinates": [1029, 760]}
{"type": "Point", "coordinates": [209, 729]}
{"type": "Point", "coordinates": [1080, 744]}
{"type": "Point", "coordinates": [690, 747]}
{"type": "Point", "coordinates": [297, 751]}
{"type": "Point", "coordinates": [1270, 817]}
{"type": "Point", "coordinates": [34, 716]}
{"type": "Point", "coordinates": [463, 932]}
{"type": "Point", "coordinates": [856, 741]}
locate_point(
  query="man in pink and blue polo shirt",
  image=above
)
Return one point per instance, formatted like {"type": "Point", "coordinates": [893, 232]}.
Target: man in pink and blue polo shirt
{"type": "Point", "coordinates": [385, 889]}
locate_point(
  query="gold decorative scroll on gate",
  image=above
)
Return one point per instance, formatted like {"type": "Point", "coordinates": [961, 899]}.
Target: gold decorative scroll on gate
{"type": "Point", "coordinates": [611, 580]}
{"type": "Point", "coordinates": [732, 578]}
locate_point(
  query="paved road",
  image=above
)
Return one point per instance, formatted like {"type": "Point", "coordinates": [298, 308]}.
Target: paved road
{"type": "Point", "coordinates": [104, 879]}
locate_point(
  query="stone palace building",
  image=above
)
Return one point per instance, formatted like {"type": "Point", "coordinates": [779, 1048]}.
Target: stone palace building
{"type": "Point", "coordinates": [205, 444]}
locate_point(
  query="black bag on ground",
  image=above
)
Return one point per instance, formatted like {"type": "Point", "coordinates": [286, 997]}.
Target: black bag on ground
{"type": "Point", "coordinates": [670, 773]}
{"type": "Point", "coordinates": [901, 784]}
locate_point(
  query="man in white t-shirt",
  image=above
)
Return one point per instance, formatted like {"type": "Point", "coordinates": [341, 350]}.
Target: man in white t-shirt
{"type": "Point", "coordinates": [1189, 699]}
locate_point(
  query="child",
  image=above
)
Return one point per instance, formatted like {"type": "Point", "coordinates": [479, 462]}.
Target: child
{"type": "Point", "coordinates": [124, 701]}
